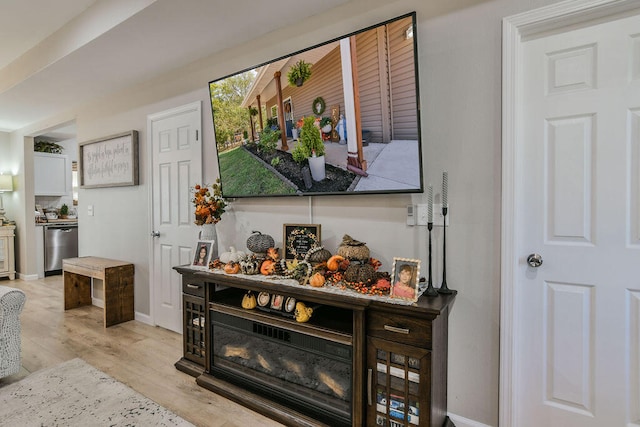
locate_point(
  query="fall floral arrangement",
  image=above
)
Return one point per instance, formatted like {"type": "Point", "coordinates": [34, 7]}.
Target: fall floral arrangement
{"type": "Point", "coordinates": [209, 203]}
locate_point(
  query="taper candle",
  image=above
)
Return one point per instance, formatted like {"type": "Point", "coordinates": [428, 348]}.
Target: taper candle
{"type": "Point", "coordinates": [430, 204]}
{"type": "Point", "coordinates": [445, 184]}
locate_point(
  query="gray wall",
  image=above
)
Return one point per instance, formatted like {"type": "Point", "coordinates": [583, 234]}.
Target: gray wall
{"type": "Point", "coordinates": [459, 57]}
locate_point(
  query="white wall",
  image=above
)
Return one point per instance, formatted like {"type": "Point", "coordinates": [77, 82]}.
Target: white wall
{"type": "Point", "coordinates": [459, 57]}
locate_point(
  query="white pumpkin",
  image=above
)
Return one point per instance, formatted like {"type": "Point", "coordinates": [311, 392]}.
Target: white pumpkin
{"type": "Point", "coordinates": [232, 255]}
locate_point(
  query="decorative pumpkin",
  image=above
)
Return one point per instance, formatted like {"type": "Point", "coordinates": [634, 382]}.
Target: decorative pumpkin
{"type": "Point", "coordinates": [250, 265]}
{"type": "Point", "coordinates": [362, 273]}
{"type": "Point", "coordinates": [268, 267]}
{"type": "Point", "coordinates": [232, 267]}
{"type": "Point", "coordinates": [232, 255]}
{"type": "Point", "coordinates": [249, 301]}
{"type": "Point", "coordinates": [294, 269]}
{"type": "Point", "coordinates": [317, 280]}
{"type": "Point", "coordinates": [259, 243]}
{"type": "Point", "coordinates": [318, 255]}
{"type": "Point", "coordinates": [353, 249]}
{"type": "Point", "coordinates": [302, 313]}
{"type": "Point", "coordinates": [333, 263]}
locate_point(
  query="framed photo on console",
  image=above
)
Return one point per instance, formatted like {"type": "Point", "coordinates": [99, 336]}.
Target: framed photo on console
{"type": "Point", "coordinates": [406, 273]}
{"type": "Point", "coordinates": [202, 253]}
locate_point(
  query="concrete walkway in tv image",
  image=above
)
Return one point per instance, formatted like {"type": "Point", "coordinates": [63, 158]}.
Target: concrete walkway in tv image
{"type": "Point", "coordinates": [390, 166]}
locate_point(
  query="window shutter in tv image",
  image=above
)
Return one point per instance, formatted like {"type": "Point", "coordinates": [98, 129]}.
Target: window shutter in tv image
{"type": "Point", "coordinates": [368, 77]}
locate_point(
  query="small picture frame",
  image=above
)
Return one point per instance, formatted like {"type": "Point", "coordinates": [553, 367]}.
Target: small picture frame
{"type": "Point", "coordinates": [276, 302]}
{"type": "Point", "coordinates": [263, 299]}
{"type": "Point", "coordinates": [290, 305]}
{"type": "Point", "coordinates": [298, 239]}
{"type": "Point", "coordinates": [202, 253]}
{"type": "Point", "coordinates": [406, 273]}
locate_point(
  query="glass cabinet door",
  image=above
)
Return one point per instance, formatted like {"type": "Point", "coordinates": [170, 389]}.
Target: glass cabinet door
{"type": "Point", "coordinates": [398, 378]}
{"type": "Point", "coordinates": [193, 310]}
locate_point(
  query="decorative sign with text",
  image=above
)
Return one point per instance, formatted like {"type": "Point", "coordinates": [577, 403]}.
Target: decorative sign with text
{"type": "Point", "coordinates": [299, 239]}
{"type": "Point", "coordinates": [109, 162]}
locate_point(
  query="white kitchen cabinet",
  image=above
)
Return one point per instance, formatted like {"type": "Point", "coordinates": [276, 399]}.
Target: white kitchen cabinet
{"type": "Point", "coordinates": [52, 174]}
{"type": "Point", "coordinates": [7, 256]}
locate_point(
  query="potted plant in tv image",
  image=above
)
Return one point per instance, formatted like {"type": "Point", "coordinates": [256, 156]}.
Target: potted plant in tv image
{"type": "Point", "coordinates": [272, 122]}
{"type": "Point", "coordinates": [299, 73]}
{"type": "Point", "coordinates": [310, 148]}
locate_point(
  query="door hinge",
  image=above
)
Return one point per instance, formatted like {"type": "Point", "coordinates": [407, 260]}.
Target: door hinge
{"type": "Point", "coordinates": [196, 134]}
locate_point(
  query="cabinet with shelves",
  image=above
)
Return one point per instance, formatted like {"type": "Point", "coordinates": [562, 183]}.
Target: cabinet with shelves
{"type": "Point", "coordinates": [407, 363]}
{"type": "Point", "coordinates": [7, 255]}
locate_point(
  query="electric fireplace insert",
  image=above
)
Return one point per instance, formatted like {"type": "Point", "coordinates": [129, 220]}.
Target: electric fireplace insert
{"type": "Point", "coordinates": [307, 367]}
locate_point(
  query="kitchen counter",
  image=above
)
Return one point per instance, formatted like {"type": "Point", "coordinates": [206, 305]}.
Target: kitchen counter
{"type": "Point", "coordinates": [59, 221]}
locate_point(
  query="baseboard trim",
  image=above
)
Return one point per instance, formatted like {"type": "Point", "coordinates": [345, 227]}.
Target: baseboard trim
{"type": "Point", "coordinates": [140, 317]}
{"type": "Point", "coordinates": [144, 318]}
{"type": "Point", "coordinates": [27, 277]}
{"type": "Point", "coordinates": [465, 422]}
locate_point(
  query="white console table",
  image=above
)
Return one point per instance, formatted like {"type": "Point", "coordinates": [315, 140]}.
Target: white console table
{"type": "Point", "coordinates": [7, 256]}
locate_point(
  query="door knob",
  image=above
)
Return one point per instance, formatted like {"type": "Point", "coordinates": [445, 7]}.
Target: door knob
{"type": "Point", "coordinates": [155, 234]}
{"type": "Point", "coordinates": [534, 260]}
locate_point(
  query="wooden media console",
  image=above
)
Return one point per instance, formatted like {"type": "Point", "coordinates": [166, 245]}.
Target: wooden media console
{"type": "Point", "coordinates": [358, 361]}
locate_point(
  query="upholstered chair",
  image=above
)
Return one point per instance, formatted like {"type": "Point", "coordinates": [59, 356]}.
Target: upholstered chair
{"type": "Point", "coordinates": [11, 304]}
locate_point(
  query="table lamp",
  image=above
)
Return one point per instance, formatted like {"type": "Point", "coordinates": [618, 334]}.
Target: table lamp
{"type": "Point", "coordinates": [6, 184]}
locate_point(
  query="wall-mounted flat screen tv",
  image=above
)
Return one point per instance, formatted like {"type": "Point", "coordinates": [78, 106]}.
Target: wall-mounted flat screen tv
{"type": "Point", "coordinates": [357, 94]}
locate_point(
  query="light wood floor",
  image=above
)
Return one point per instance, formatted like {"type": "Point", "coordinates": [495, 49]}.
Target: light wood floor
{"type": "Point", "coordinates": [134, 353]}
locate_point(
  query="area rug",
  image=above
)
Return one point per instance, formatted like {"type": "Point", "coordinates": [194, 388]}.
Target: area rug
{"type": "Point", "coordinates": [75, 393]}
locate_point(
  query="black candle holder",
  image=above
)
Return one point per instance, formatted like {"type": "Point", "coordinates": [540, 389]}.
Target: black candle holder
{"type": "Point", "coordinates": [431, 291]}
{"type": "Point", "coordinates": [443, 288]}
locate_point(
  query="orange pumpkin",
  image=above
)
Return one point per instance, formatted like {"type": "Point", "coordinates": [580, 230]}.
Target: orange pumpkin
{"type": "Point", "coordinates": [268, 267]}
{"type": "Point", "coordinates": [232, 268]}
{"type": "Point", "coordinates": [334, 262]}
{"type": "Point", "coordinates": [317, 280]}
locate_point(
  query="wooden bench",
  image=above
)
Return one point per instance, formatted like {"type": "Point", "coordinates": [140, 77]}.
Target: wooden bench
{"type": "Point", "coordinates": [117, 286]}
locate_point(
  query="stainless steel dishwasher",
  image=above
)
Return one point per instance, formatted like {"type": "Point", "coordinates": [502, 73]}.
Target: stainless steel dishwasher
{"type": "Point", "coordinates": [60, 242]}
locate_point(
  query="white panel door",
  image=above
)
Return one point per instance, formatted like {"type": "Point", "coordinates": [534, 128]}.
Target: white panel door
{"type": "Point", "coordinates": [576, 331]}
{"type": "Point", "coordinates": [177, 166]}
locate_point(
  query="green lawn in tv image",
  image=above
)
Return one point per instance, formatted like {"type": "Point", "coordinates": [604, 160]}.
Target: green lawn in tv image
{"type": "Point", "coordinates": [243, 175]}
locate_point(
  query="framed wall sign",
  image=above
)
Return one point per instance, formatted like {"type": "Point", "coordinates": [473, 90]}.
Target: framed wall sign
{"type": "Point", "coordinates": [110, 161]}
{"type": "Point", "coordinates": [298, 239]}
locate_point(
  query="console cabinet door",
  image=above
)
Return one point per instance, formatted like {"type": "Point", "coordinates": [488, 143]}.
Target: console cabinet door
{"type": "Point", "coordinates": [398, 378]}
{"type": "Point", "coordinates": [194, 328]}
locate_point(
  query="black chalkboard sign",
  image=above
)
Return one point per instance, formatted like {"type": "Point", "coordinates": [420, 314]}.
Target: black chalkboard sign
{"type": "Point", "coordinates": [299, 239]}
